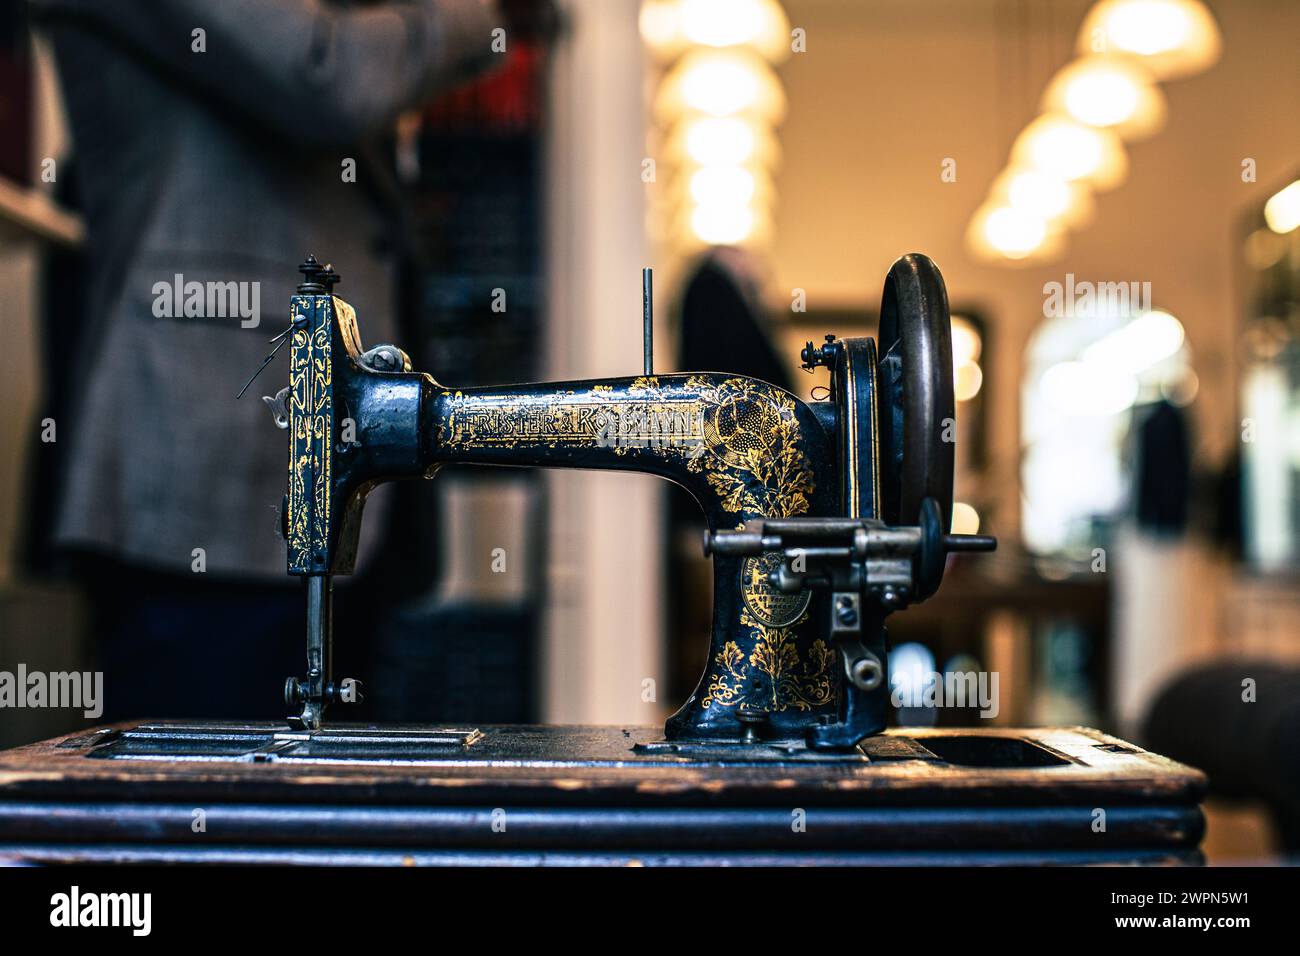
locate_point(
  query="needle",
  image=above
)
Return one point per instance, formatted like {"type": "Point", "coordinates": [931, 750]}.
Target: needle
{"type": "Point", "coordinates": [280, 339]}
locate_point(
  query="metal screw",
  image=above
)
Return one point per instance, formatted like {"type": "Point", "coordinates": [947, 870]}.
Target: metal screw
{"type": "Point", "coordinates": [867, 673]}
{"type": "Point", "coordinates": [846, 613]}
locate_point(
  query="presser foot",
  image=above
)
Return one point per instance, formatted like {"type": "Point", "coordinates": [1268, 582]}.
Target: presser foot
{"type": "Point", "coordinates": [298, 693]}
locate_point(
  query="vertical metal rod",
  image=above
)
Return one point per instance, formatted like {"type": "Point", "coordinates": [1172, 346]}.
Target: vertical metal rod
{"type": "Point", "coordinates": [647, 319]}
{"type": "Point", "coordinates": [320, 624]}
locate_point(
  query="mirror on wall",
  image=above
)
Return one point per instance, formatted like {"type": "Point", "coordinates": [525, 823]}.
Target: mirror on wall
{"type": "Point", "coordinates": [1270, 384]}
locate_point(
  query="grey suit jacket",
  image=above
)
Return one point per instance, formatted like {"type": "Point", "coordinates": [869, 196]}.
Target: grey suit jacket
{"type": "Point", "coordinates": [222, 164]}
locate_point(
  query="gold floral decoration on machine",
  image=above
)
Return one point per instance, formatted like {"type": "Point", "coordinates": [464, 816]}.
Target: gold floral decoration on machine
{"type": "Point", "coordinates": [743, 437]}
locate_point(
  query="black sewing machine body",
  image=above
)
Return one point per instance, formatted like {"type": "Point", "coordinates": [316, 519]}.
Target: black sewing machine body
{"type": "Point", "coordinates": [823, 517]}
{"type": "Point", "coordinates": [781, 664]}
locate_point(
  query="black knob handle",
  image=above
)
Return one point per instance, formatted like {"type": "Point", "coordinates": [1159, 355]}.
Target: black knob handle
{"type": "Point", "coordinates": [312, 271]}
{"type": "Point", "coordinates": [970, 542]}
{"type": "Point", "coordinates": [813, 356]}
{"type": "Point", "coordinates": [329, 278]}
{"type": "Point", "coordinates": [936, 545]}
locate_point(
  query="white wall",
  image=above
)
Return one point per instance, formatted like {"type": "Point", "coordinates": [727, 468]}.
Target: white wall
{"type": "Point", "coordinates": [605, 621]}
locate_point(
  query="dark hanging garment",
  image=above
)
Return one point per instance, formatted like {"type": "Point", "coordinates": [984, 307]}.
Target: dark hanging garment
{"type": "Point", "coordinates": [724, 329]}
{"type": "Point", "coordinates": [1163, 471]}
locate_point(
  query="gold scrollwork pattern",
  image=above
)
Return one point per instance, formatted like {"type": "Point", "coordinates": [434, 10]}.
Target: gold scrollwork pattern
{"type": "Point", "coordinates": [311, 429]}
{"type": "Point", "coordinates": [743, 437]}
{"type": "Point", "coordinates": [784, 680]}
{"type": "Point", "coordinates": [756, 465]}
{"type": "Point", "coordinates": [759, 469]}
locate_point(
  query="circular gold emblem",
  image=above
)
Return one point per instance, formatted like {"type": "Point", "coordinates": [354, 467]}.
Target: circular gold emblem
{"type": "Point", "coordinates": [771, 607]}
{"type": "Point", "coordinates": [743, 428]}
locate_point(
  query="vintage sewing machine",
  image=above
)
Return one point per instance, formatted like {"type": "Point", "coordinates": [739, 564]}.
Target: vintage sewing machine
{"type": "Point", "coordinates": [824, 518]}
{"type": "Point", "coordinates": [845, 503]}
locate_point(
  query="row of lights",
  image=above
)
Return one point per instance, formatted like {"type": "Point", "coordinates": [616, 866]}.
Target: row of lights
{"type": "Point", "coordinates": [1090, 108]}
{"type": "Point", "coordinates": [716, 111]}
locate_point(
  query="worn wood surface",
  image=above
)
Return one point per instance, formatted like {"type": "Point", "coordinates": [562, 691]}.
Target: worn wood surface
{"type": "Point", "coordinates": [574, 766]}
{"type": "Point", "coordinates": [592, 796]}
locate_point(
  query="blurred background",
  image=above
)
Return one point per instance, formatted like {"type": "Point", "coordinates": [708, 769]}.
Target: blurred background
{"type": "Point", "coordinates": [1112, 191]}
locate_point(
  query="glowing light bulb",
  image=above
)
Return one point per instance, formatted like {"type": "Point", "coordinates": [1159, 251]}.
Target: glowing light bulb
{"type": "Point", "coordinates": [722, 22]}
{"type": "Point", "coordinates": [966, 344]}
{"type": "Point", "coordinates": [721, 82]}
{"type": "Point", "coordinates": [1069, 150]}
{"type": "Point", "coordinates": [1172, 38]}
{"type": "Point", "coordinates": [967, 379]}
{"type": "Point", "coordinates": [1108, 92]}
{"type": "Point", "coordinates": [1004, 235]}
{"type": "Point", "coordinates": [965, 519]}
{"type": "Point", "coordinates": [1282, 211]}
{"type": "Point", "coordinates": [758, 24]}
{"type": "Point", "coordinates": [1045, 195]}
{"type": "Point", "coordinates": [1060, 146]}
{"type": "Point", "coordinates": [723, 185]}
{"type": "Point", "coordinates": [1103, 98]}
{"type": "Point", "coordinates": [1148, 27]}
{"type": "Point", "coordinates": [1037, 193]}
{"type": "Point", "coordinates": [720, 142]}
{"type": "Point", "coordinates": [660, 23]}
{"type": "Point", "coordinates": [720, 88]}
{"type": "Point", "coordinates": [1014, 233]}
{"type": "Point", "coordinates": [722, 224]}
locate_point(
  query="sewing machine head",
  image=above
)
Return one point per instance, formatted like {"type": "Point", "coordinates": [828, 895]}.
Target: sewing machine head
{"type": "Point", "coordinates": [823, 517]}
